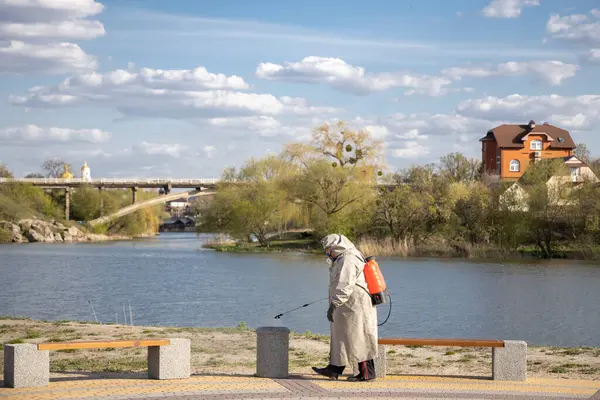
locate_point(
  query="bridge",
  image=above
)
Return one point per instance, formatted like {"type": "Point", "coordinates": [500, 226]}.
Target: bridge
{"type": "Point", "coordinates": [148, 203]}
{"type": "Point", "coordinates": [165, 186]}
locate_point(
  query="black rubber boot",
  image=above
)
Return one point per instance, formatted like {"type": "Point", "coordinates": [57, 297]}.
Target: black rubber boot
{"type": "Point", "coordinates": [331, 371]}
{"type": "Point", "coordinates": [366, 372]}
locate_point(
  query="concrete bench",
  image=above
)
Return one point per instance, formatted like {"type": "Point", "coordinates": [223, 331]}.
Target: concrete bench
{"type": "Point", "coordinates": [28, 365]}
{"type": "Point", "coordinates": [509, 357]}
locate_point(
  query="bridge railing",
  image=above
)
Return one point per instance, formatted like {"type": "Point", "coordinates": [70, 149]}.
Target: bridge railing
{"type": "Point", "coordinates": [108, 181]}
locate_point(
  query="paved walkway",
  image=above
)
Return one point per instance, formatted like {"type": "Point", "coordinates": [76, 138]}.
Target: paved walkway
{"type": "Point", "coordinates": [304, 387]}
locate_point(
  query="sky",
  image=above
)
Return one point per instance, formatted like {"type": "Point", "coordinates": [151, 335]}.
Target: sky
{"type": "Point", "coordinates": [186, 88]}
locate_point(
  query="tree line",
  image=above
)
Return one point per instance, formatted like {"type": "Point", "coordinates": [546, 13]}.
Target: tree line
{"type": "Point", "coordinates": [338, 183]}
{"type": "Point", "coordinates": [22, 201]}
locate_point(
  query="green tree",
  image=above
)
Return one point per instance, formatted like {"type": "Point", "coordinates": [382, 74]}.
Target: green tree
{"type": "Point", "coordinates": [34, 175]}
{"type": "Point", "coordinates": [5, 172]}
{"type": "Point", "coordinates": [458, 168]}
{"type": "Point", "coordinates": [332, 192]}
{"type": "Point", "coordinates": [404, 213]}
{"type": "Point", "coordinates": [550, 203]}
{"type": "Point", "coordinates": [472, 213]}
{"type": "Point", "coordinates": [249, 202]}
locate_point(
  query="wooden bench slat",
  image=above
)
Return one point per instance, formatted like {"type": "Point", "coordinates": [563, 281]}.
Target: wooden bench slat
{"type": "Point", "coordinates": [103, 344]}
{"type": "Point", "coordinates": [442, 342]}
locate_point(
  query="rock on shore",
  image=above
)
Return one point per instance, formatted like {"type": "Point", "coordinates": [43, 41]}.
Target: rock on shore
{"type": "Point", "coordinates": [35, 230]}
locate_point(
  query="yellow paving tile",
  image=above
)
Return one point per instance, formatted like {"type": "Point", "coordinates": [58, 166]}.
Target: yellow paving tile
{"type": "Point", "coordinates": [565, 382]}
{"type": "Point", "coordinates": [91, 383]}
{"type": "Point", "coordinates": [173, 388]}
{"type": "Point", "coordinates": [530, 381]}
{"type": "Point", "coordinates": [491, 387]}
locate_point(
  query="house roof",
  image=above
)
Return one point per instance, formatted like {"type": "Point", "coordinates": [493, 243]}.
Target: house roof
{"type": "Point", "coordinates": [512, 136]}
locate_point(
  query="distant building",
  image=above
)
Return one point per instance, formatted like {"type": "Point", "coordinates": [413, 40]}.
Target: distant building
{"type": "Point", "coordinates": [182, 224]}
{"type": "Point", "coordinates": [516, 196]}
{"type": "Point", "coordinates": [508, 150]}
{"type": "Point", "coordinates": [86, 174]}
{"type": "Point", "coordinates": [66, 173]}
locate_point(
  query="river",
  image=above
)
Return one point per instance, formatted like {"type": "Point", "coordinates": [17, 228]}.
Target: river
{"type": "Point", "coordinates": [172, 281]}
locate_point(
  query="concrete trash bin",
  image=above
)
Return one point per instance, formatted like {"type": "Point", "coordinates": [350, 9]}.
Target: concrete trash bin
{"type": "Point", "coordinates": [272, 352]}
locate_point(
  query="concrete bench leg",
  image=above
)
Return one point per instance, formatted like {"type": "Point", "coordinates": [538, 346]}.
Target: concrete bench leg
{"type": "Point", "coordinates": [381, 362]}
{"type": "Point", "coordinates": [170, 362]}
{"type": "Point", "coordinates": [26, 366]}
{"type": "Point", "coordinates": [509, 363]}
{"type": "Point", "coordinates": [272, 352]}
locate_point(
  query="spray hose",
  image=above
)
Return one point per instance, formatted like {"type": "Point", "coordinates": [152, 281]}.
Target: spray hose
{"type": "Point", "coordinates": [278, 316]}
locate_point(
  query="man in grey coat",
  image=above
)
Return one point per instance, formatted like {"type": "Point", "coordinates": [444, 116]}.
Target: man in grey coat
{"type": "Point", "coordinates": [352, 315]}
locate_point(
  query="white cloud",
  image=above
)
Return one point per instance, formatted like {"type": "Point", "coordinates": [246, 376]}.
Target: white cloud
{"type": "Point", "coordinates": [411, 149]}
{"type": "Point", "coordinates": [57, 58]}
{"type": "Point", "coordinates": [339, 75]}
{"type": "Point", "coordinates": [78, 29]}
{"type": "Point", "coordinates": [154, 149]}
{"type": "Point", "coordinates": [593, 56]}
{"type": "Point", "coordinates": [34, 34]}
{"type": "Point", "coordinates": [32, 133]}
{"type": "Point", "coordinates": [178, 94]}
{"type": "Point", "coordinates": [422, 126]}
{"type": "Point", "coordinates": [553, 72]}
{"type": "Point", "coordinates": [576, 27]}
{"type": "Point", "coordinates": [508, 8]}
{"type": "Point", "coordinates": [578, 112]}
{"type": "Point", "coordinates": [209, 151]}
{"type": "Point", "coordinates": [378, 132]}
{"type": "Point", "coordinates": [36, 10]}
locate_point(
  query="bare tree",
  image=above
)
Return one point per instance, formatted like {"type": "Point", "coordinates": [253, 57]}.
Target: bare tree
{"type": "Point", "coordinates": [54, 167]}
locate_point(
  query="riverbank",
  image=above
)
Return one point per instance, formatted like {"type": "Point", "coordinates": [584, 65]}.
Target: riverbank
{"type": "Point", "coordinates": [40, 231]}
{"type": "Point", "coordinates": [233, 351]}
{"type": "Point", "coordinates": [430, 249]}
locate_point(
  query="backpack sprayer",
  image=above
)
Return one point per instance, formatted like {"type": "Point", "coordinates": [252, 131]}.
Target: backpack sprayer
{"type": "Point", "coordinates": [377, 288]}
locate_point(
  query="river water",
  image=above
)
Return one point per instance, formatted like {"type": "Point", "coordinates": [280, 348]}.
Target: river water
{"type": "Point", "coordinates": [172, 281]}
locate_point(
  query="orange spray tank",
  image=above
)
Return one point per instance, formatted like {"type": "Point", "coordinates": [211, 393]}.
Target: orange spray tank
{"type": "Point", "coordinates": [375, 282]}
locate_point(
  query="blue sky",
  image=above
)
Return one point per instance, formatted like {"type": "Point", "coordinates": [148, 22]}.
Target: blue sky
{"type": "Point", "coordinates": [150, 88]}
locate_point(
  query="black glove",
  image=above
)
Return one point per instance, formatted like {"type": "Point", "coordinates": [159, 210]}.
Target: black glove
{"type": "Point", "coordinates": [330, 312]}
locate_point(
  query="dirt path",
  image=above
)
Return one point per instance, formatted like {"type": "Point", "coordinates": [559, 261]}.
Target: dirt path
{"type": "Point", "coordinates": [233, 351]}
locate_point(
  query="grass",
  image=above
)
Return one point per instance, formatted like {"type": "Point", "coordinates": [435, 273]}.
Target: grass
{"type": "Point", "coordinates": [565, 368]}
{"type": "Point", "coordinates": [467, 358]}
{"type": "Point", "coordinates": [316, 336]}
{"type": "Point", "coordinates": [450, 353]}
{"type": "Point", "coordinates": [14, 341]}
{"type": "Point", "coordinates": [92, 364]}
{"type": "Point", "coordinates": [33, 334]}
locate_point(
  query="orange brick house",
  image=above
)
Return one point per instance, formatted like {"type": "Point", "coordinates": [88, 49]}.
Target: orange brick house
{"type": "Point", "coordinates": [508, 150]}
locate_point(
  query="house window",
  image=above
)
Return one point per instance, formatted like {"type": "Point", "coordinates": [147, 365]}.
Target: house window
{"type": "Point", "coordinates": [515, 166]}
{"type": "Point", "coordinates": [535, 145]}
{"type": "Point", "coordinates": [574, 174]}
{"type": "Point", "coordinates": [574, 171]}
{"type": "Point", "coordinates": [484, 147]}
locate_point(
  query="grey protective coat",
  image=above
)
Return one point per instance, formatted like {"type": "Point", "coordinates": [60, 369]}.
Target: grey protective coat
{"type": "Point", "coordinates": [354, 326]}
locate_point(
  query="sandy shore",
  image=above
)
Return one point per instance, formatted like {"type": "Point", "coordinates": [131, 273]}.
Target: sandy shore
{"type": "Point", "coordinates": [233, 351]}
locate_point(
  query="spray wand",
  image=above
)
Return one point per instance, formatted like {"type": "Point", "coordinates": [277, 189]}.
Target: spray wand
{"type": "Point", "coordinates": [278, 316]}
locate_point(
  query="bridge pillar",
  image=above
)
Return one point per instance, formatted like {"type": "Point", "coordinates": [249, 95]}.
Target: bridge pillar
{"type": "Point", "coordinates": [133, 194]}
{"type": "Point", "coordinates": [67, 203]}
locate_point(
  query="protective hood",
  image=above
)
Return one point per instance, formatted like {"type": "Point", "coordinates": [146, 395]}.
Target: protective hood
{"type": "Point", "coordinates": [338, 243]}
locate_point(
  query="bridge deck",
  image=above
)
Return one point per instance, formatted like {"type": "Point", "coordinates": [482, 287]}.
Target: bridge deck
{"type": "Point", "coordinates": [115, 183]}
